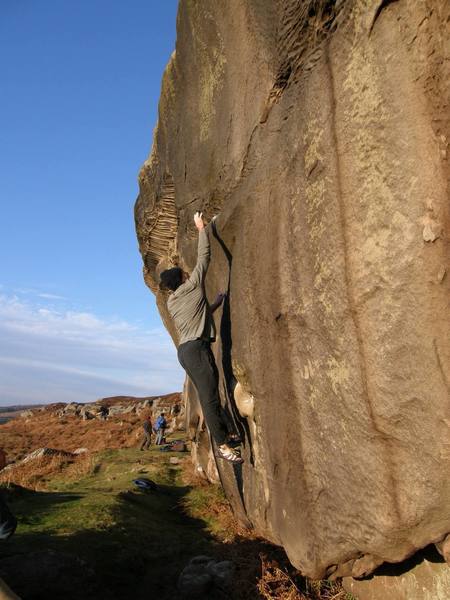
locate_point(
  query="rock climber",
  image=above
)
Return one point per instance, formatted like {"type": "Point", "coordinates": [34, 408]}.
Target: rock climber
{"type": "Point", "coordinates": [192, 315]}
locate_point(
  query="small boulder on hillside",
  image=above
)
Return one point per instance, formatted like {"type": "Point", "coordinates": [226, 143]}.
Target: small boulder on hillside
{"type": "Point", "coordinates": [86, 414]}
{"type": "Point", "coordinates": [117, 410]}
{"type": "Point", "coordinates": [26, 414]}
{"type": "Point", "coordinates": [40, 452]}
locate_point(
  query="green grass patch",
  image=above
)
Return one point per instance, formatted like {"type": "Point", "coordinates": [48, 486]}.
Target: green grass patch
{"type": "Point", "coordinates": [128, 537]}
{"type": "Point", "coordinates": [209, 503]}
{"type": "Point", "coordinates": [101, 538]}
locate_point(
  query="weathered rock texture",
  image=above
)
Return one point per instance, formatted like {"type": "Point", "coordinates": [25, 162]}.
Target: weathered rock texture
{"type": "Point", "coordinates": [318, 132]}
{"type": "Point", "coordinates": [421, 577]}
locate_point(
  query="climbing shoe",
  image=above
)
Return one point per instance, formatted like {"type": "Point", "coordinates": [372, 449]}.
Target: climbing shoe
{"type": "Point", "coordinates": [229, 454]}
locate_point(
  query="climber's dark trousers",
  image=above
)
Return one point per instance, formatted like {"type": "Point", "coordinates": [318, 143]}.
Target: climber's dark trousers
{"type": "Point", "coordinates": [197, 360]}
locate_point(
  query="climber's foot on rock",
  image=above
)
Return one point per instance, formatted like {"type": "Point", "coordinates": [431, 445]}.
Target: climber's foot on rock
{"type": "Point", "coordinates": [229, 454]}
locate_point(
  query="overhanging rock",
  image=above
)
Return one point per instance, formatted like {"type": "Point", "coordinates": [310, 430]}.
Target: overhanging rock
{"type": "Point", "coordinates": [318, 133]}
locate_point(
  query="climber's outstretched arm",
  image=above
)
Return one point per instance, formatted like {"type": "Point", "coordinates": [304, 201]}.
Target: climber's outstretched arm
{"type": "Point", "coordinates": [203, 252]}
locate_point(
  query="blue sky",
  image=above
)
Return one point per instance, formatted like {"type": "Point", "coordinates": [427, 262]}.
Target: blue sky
{"type": "Point", "coordinates": [80, 86]}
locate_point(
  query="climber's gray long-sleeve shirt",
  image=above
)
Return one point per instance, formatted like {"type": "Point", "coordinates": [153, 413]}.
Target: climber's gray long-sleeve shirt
{"type": "Point", "coordinates": [188, 305]}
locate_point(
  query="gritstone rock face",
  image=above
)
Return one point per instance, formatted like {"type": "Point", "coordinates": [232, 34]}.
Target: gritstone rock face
{"type": "Point", "coordinates": [318, 133]}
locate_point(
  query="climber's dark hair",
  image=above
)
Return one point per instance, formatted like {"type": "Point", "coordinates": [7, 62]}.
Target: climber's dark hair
{"type": "Point", "coordinates": [171, 279]}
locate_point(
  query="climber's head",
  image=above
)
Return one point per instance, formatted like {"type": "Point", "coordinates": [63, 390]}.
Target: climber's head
{"type": "Point", "coordinates": [171, 279]}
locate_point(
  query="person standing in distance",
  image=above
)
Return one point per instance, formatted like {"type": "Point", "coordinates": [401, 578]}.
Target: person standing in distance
{"type": "Point", "coordinates": [192, 315]}
{"type": "Point", "coordinates": [147, 427]}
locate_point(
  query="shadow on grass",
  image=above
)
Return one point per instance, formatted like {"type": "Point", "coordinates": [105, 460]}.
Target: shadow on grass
{"type": "Point", "coordinates": [140, 555]}
{"type": "Point", "coordinates": [32, 505]}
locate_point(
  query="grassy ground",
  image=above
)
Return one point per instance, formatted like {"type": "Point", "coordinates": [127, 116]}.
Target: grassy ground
{"type": "Point", "coordinates": [130, 540]}
{"type": "Point", "coordinates": [98, 537]}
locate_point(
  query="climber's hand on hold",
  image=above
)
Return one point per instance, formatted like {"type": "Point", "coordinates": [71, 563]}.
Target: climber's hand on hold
{"type": "Point", "coordinates": [198, 220]}
{"type": "Point", "coordinates": [218, 301]}
{"type": "Point", "coordinates": [220, 298]}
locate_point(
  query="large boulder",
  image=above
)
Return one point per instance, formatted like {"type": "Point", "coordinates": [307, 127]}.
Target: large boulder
{"type": "Point", "coordinates": [318, 133]}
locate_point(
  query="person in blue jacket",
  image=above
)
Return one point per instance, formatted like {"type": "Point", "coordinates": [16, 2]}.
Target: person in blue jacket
{"type": "Point", "coordinates": [160, 427]}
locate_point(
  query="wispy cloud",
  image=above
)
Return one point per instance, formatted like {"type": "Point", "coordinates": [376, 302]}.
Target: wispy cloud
{"type": "Point", "coordinates": [31, 293]}
{"type": "Point", "coordinates": [48, 296]}
{"type": "Point", "coordinates": [49, 355]}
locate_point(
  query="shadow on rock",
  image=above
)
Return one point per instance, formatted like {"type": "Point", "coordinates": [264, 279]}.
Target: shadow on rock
{"type": "Point", "coordinates": [429, 553]}
{"type": "Point", "coordinates": [227, 344]}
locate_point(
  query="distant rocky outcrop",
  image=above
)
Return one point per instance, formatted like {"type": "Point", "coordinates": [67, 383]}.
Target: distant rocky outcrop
{"type": "Point", "coordinates": [318, 133]}
{"type": "Point", "coordinates": [114, 406]}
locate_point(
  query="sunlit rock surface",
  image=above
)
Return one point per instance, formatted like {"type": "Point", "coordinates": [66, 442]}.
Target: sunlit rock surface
{"type": "Point", "coordinates": [421, 577]}
{"type": "Point", "coordinates": [318, 133]}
